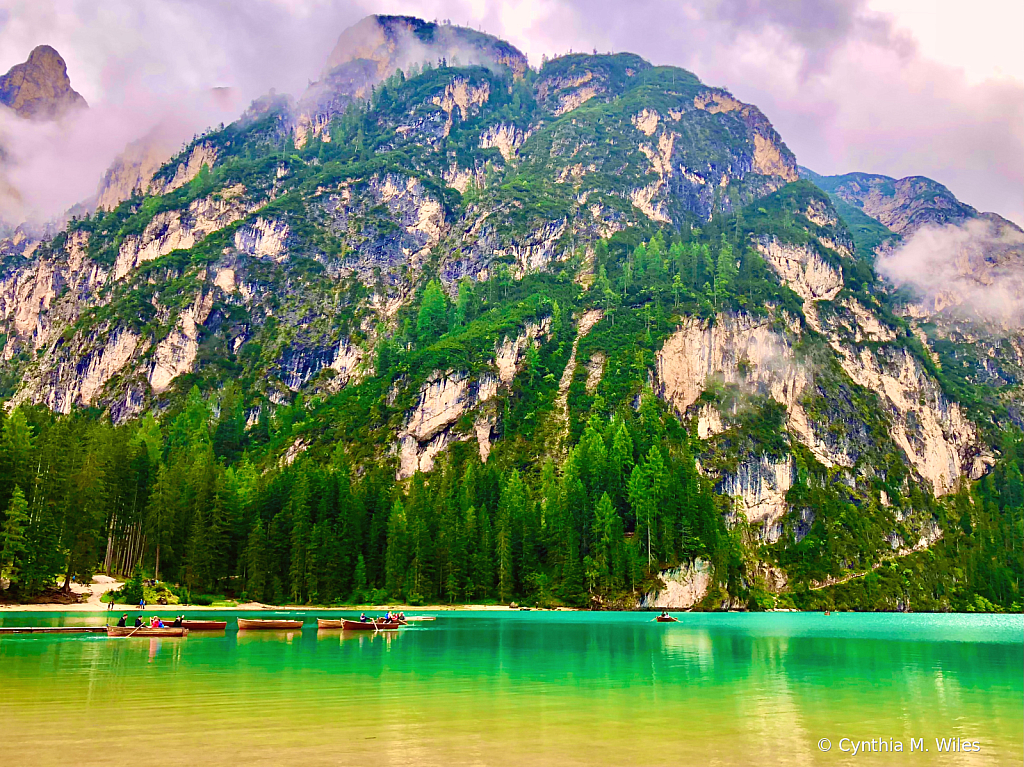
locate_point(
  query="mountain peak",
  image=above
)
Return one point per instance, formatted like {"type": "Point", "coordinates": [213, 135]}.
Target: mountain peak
{"type": "Point", "coordinates": [396, 42]}
{"type": "Point", "coordinates": [40, 87]}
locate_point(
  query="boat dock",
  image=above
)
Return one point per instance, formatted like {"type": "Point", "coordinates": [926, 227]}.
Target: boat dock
{"type": "Point", "coordinates": [53, 629]}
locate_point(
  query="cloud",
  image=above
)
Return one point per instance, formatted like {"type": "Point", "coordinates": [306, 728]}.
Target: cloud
{"type": "Point", "coordinates": [847, 87]}
{"type": "Point", "coordinates": [51, 166]}
{"type": "Point", "coordinates": [147, 69]}
{"type": "Point", "coordinates": [973, 269]}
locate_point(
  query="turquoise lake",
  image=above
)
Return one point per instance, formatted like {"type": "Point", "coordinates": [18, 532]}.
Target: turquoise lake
{"type": "Point", "coordinates": [521, 688]}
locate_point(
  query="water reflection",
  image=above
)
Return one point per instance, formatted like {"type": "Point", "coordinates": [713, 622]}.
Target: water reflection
{"type": "Point", "coordinates": [478, 689]}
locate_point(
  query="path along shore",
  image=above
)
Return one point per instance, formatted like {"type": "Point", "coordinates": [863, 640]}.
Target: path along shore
{"type": "Point", "coordinates": [101, 584]}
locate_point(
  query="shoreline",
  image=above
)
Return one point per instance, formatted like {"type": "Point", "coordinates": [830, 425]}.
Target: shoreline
{"type": "Point", "coordinates": [80, 607]}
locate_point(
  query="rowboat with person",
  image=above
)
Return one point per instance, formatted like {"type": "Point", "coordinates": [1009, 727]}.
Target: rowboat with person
{"type": "Point", "coordinates": [146, 631]}
{"type": "Point", "coordinates": [347, 625]}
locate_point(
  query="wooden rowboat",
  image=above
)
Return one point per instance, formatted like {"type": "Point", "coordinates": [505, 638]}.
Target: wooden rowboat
{"type": "Point", "coordinates": [253, 623]}
{"type": "Point", "coordinates": [348, 625]}
{"type": "Point", "coordinates": [205, 625]}
{"type": "Point", "coordinates": [145, 631]}
{"type": "Point", "coordinates": [324, 623]}
{"type": "Point", "coordinates": [53, 630]}
{"type": "Point", "coordinates": [667, 619]}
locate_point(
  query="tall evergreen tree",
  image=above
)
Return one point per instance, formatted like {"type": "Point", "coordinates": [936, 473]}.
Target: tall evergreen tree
{"type": "Point", "coordinates": [431, 323]}
{"type": "Point", "coordinates": [397, 557]}
{"type": "Point", "coordinates": [12, 536]}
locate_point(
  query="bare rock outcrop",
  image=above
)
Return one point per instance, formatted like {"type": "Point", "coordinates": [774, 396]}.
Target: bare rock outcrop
{"type": "Point", "coordinates": [685, 586]}
{"type": "Point", "coordinates": [40, 87]}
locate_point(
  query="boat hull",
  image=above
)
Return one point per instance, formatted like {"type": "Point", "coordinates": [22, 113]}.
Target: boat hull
{"type": "Point", "coordinates": [667, 619]}
{"type": "Point", "coordinates": [251, 623]}
{"type": "Point", "coordinates": [205, 625]}
{"type": "Point", "coordinates": [146, 631]}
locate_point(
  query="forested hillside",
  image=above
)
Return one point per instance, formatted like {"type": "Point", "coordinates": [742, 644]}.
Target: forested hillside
{"type": "Point", "coordinates": [476, 332]}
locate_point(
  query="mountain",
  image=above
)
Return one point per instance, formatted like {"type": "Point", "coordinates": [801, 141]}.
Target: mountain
{"type": "Point", "coordinates": [40, 87]}
{"type": "Point", "coordinates": [449, 327]}
{"type": "Point", "coordinates": [963, 272]}
{"type": "Point", "coordinates": [903, 205]}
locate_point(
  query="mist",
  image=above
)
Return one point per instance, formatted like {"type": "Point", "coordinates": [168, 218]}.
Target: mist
{"type": "Point", "coordinates": [846, 86]}
{"type": "Point", "coordinates": [974, 269]}
{"type": "Point", "coordinates": [52, 166]}
{"type": "Point", "coordinates": [162, 71]}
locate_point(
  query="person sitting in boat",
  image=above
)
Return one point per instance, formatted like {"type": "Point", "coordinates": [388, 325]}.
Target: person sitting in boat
{"type": "Point", "coordinates": [177, 621]}
{"type": "Point", "coordinates": [401, 616]}
{"type": "Point", "coordinates": [664, 613]}
{"type": "Point", "coordinates": [138, 621]}
{"type": "Point", "coordinates": [388, 618]}
{"type": "Point", "coordinates": [123, 622]}
{"type": "Point", "coordinates": [363, 618]}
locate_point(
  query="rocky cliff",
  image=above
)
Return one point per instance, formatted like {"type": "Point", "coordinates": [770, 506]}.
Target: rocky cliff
{"type": "Point", "coordinates": [40, 87]}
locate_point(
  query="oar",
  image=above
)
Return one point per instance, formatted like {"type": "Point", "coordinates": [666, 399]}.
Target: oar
{"type": "Point", "coordinates": [134, 630]}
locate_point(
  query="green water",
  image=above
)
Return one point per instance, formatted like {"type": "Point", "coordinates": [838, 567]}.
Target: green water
{"type": "Point", "coordinates": [521, 689]}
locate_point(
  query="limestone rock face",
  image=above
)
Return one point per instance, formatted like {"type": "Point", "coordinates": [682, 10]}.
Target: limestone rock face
{"type": "Point", "coordinates": [40, 87]}
{"type": "Point", "coordinates": [803, 269]}
{"type": "Point", "coordinates": [761, 486]}
{"type": "Point", "coordinates": [685, 586]}
{"type": "Point", "coordinates": [903, 205]}
{"type": "Point", "coordinates": [443, 400]}
{"type": "Point", "coordinates": [131, 171]}
{"type": "Point", "coordinates": [755, 358]}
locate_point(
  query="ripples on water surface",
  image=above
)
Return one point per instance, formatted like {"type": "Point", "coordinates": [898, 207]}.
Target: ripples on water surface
{"type": "Point", "coordinates": [519, 689]}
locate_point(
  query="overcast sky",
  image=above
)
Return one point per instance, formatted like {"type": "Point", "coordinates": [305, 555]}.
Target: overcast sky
{"type": "Point", "coordinates": [900, 87]}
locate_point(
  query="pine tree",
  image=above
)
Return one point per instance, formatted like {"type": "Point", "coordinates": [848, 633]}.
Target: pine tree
{"type": "Point", "coordinates": [161, 516]}
{"type": "Point", "coordinates": [463, 303]}
{"type": "Point", "coordinates": [1013, 489]}
{"type": "Point", "coordinates": [360, 579]}
{"type": "Point", "coordinates": [620, 466]}
{"type": "Point", "coordinates": [12, 536]}
{"type": "Point", "coordinates": [431, 323]}
{"type": "Point", "coordinates": [300, 537]}
{"type": "Point", "coordinates": [85, 515]}
{"type": "Point", "coordinates": [256, 575]}
{"type": "Point", "coordinates": [604, 544]}
{"type": "Point", "coordinates": [725, 275]}
{"type": "Point", "coordinates": [16, 448]}
{"type": "Point", "coordinates": [397, 555]}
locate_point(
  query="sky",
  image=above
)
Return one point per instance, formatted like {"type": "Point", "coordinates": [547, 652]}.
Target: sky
{"type": "Point", "coordinates": [898, 87]}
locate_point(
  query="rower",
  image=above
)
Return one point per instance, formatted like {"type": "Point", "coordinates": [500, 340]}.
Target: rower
{"type": "Point", "coordinates": [363, 618]}
{"type": "Point", "coordinates": [123, 622]}
{"type": "Point", "coordinates": [138, 621]}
